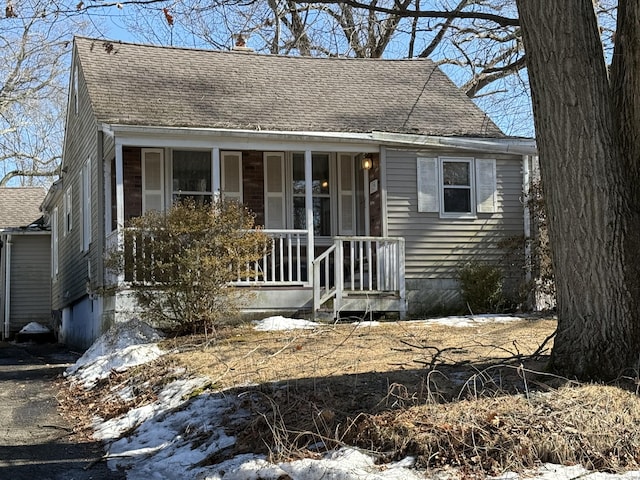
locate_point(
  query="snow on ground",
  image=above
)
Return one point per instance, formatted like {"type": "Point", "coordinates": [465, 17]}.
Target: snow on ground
{"type": "Point", "coordinates": [174, 436]}
{"type": "Point", "coordinates": [282, 323]}
{"type": "Point", "coordinates": [34, 327]}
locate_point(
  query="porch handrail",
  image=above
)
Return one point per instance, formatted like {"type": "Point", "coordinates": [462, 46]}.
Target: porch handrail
{"type": "Point", "coordinates": [362, 265]}
{"type": "Point", "coordinates": [323, 291]}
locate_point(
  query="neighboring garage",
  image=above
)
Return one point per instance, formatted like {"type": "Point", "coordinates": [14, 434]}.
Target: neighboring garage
{"type": "Point", "coordinates": [25, 260]}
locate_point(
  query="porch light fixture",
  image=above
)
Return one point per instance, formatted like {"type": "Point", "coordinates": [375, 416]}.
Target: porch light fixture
{"type": "Point", "coordinates": [367, 163]}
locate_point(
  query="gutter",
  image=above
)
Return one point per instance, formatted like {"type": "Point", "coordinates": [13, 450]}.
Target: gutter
{"type": "Point", "coordinates": [518, 146]}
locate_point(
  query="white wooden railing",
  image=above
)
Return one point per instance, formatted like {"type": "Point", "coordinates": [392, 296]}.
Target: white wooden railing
{"type": "Point", "coordinates": [284, 263]}
{"type": "Point", "coordinates": [350, 266]}
{"type": "Point", "coordinates": [358, 265]}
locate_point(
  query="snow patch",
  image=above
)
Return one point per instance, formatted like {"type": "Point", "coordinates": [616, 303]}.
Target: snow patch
{"type": "Point", "coordinates": [282, 323]}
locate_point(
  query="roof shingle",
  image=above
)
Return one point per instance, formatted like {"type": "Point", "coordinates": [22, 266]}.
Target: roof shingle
{"type": "Point", "coordinates": [20, 206]}
{"type": "Point", "coordinates": [132, 84]}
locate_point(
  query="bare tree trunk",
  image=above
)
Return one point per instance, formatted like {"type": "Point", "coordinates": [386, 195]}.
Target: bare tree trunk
{"type": "Point", "coordinates": [588, 185]}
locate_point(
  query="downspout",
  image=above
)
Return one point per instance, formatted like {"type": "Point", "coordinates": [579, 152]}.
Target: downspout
{"type": "Point", "coordinates": [7, 287]}
{"type": "Point", "coordinates": [527, 216]}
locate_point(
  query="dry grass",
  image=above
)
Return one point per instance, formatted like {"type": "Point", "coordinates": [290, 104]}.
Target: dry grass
{"type": "Point", "coordinates": [241, 355]}
{"type": "Point", "coordinates": [474, 398]}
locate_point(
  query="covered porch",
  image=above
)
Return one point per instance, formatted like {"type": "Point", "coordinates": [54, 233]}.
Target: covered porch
{"type": "Point", "coordinates": [321, 209]}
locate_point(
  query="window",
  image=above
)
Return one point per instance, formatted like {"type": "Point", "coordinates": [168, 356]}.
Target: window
{"type": "Point", "coordinates": [321, 193]}
{"type": "Point", "coordinates": [85, 206]}
{"type": "Point", "coordinates": [192, 173]}
{"type": "Point", "coordinates": [67, 205]}
{"type": "Point", "coordinates": [456, 187]}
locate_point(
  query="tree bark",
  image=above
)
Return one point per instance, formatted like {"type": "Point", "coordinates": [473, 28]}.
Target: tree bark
{"type": "Point", "coordinates": [586, 134]}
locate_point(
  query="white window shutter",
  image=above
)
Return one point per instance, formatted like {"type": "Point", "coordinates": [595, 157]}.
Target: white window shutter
{"type": "Point", "coordinates": [232, 175]}
{"type": "Point", "coordinates": [274, 190]}
{"type": "Point", "coordinates": [152, 180]}
{"type": "Point", "coordinates": [486, 195]}
{"type": "Point", "coordinates": [428, 185]}
{"type": "Point", "coordinates": [346, 203]}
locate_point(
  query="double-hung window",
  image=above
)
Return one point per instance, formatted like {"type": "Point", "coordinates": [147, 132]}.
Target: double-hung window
{"type": "Point", "coordinates": [456, 187]}
{"type": "Point", "coordinates": [457, 180]}
{"type": "Point", "coordinates": [192, 176]}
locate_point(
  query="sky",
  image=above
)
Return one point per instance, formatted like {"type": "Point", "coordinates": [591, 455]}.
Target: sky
{"type": "Point", "coordinates": [170, 437]}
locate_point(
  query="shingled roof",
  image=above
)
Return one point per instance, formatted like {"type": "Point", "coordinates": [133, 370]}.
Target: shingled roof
{"type": "Point", "coordinates": [20, 206]}
{"type": "Point", "coordinates": [132, 84]}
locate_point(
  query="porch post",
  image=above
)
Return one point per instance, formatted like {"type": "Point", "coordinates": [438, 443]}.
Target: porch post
{"type": "Point", "coordinates": [119, 187]}
{"type": "Point", "coordinates": [367, 216]}
{"type": "Point", "coordinates": [308, 203]}
{"type": "Point", "coordinates": [120, 201]}
{"type": "Point", "coordinates": [216, 180]}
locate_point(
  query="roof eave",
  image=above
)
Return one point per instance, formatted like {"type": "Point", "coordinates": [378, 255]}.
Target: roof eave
{"type": "Point", "coordinates": [516, 146]}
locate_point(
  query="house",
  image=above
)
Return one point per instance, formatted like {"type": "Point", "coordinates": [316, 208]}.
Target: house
{"type": "Point", "coordinates": [25, 260]}
{"type": "Point", "coordinates": [376, 179]}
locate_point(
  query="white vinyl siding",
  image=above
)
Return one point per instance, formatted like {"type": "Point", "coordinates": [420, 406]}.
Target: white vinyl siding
{"type": "Point", "coordinates": [152, 179]}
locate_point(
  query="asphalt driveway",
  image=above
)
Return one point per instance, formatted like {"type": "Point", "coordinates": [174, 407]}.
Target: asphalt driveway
{"type": "Point", "coordinates": [34, 438]}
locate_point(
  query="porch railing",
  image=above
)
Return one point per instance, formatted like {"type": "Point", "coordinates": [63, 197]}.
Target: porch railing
{"type": "Point", "coordinates": [284, 263]}
{"type": "Point", "coordinates": [351, 266]}
{"type": "Point", "coordinates": [358, 265]}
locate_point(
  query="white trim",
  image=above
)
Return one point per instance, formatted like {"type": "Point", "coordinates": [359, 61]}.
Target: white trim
{"type": "Point", "coordinates": [368, 141]}
{"type": "Point", "coordinates": [384, 211]}
{"type": "Point", "coordinates": [471, 214]}
{"type": "Point", "coordinates": [119, 187]}
{"type": "Point", "coordinates": [216, 173]}
{"type": "Point", "coordinates": [308, 203]}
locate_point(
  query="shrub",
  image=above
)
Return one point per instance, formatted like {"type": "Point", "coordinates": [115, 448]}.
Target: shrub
{"type": "Point", "coordinates": [180, 263]}
{"type": "Point", "coordinates": [481, 286]}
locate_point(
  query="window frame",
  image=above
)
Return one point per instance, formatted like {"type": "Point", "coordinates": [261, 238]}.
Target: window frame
{"type": "Point", "coordinates": [329, 196]}
{"type": "Point", "coordinates": [179, 194]}
{"type": "Point", "coordinates": [471, 188]}
{"type": "Point", "coordinates": [68, 211]}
